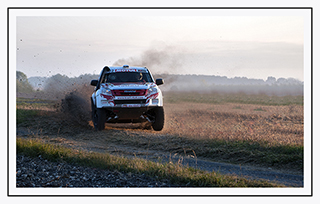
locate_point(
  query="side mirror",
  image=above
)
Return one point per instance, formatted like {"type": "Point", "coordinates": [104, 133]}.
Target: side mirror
{"type": "Point", "coordinates": [94, 83]}
{"type": "Point", "coordinates": [159, 81]}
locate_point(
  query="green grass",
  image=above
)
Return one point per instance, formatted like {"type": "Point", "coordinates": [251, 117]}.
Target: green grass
{"type": "Point", "coordinates": [259, 109]}
{"type": "Point", "coordinates": [34, 103]}
{"type": "Point", "coordinates": [23, 115]}
{"type": "Point", "coordinates": [216, 98]}
{"type": "Point", "coordinates": [245, 152]}
{"type": "Point", "coordinates": [253, 153]}
{"type": "Point", "coordinates": [175, 173]}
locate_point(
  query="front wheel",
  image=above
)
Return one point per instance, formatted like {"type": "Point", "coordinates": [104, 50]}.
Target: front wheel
{"type": "Point", "coordinates": [98, 118]}
{"type": "Point", "coordinates": [158, 123]}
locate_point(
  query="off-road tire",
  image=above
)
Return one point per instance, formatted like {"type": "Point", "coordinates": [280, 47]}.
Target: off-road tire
{"type": "Point", "coordinates": [158, 123]}
{"type": "Point", "coordinates": [98, 117]}
{"type": "Point", "coordinates": [93, 111]}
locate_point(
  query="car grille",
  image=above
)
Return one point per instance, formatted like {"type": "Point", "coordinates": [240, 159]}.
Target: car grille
{"type": "Point", "coordinates": [136, 101]}
{"type": "Point", "coordinates": [129, 92]}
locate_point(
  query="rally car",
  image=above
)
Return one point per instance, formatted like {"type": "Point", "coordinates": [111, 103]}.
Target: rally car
{"type": "Point", "coordinates": [127, 95]}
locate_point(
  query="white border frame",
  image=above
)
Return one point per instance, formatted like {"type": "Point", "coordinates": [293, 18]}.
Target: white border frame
{"type": "Point", "coordinates": [306, 190]}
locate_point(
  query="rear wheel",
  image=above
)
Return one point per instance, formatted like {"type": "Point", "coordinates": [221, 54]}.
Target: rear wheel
{"type": "Point", "coordinates": [98, 117]}
{"type": "Point", "coordinates": [158, 123]}
{"type": "Point", "coordinates": [93, 110]}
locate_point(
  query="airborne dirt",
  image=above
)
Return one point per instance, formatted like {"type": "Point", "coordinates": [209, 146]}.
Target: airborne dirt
{"type": "Point", "coordinates": [72, 127]}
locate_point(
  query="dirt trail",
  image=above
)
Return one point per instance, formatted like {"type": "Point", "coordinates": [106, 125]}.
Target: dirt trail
{"type": "Point", "coordinates": [113, 141]}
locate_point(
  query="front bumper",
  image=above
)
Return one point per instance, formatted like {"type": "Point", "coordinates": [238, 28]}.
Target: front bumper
{"type": "Point", "coordinates": [103, 101]}
{"type": "Point", "coordinates": [119, 114]}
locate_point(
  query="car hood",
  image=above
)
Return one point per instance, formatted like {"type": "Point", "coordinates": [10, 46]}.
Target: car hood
{"type": "Point", "coordinates": [128, 85]}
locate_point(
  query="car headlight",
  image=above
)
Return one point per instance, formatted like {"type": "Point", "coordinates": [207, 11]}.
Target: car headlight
{"type": "Point", "coordinates": [152, 90]}
{"type": "Point", "coordinates": [106, 92]}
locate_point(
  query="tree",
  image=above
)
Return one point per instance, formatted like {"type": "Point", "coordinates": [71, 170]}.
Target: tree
{"type": "Point", "coordinates": [271, 80]}
{"type": "Point", "coordinates": [23, 85]}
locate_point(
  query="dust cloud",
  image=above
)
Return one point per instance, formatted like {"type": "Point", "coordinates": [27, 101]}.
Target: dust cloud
{"type": "Point", "coordinates": [72, 96]}
{"type": "Point", "coordinates": [166, 60]}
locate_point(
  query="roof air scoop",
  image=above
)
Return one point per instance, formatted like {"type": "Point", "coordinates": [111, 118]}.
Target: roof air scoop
{"type": "Point", "coordinates": [106, 68]}
{"type": "Point", "coordinates": [125, 66]}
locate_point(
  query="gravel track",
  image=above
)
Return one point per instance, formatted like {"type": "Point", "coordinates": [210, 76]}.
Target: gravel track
{"type": "Point", "coordinates": [38, 172]}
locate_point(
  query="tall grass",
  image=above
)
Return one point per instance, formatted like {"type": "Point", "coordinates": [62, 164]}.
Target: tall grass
{"type": "Point", "coordinates": [241, 98]}
{"type": "Point", "coordinates": [175, 173]}
{"type": "Point", "coordinates": [254, 153]}
{"type": "Point", "coordinates": [275, 124]}
{"type": "Point", "coordinates": [245, 152]}
{"type": "Point", "coordinates": [24, 114]}
{"type": "Point", "coordinates": [36, 104]}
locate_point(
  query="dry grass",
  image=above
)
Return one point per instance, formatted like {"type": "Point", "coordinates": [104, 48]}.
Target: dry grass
{"type": "Point", "coordinates": [36, 104]}
{"type": "Point", "coordinates": [255, 134]}
{"type": "Point", "coordinates": [272, 124]}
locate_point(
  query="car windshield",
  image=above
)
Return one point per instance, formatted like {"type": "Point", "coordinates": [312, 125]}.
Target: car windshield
{"type": "Point", "coordinates": [128, 77]}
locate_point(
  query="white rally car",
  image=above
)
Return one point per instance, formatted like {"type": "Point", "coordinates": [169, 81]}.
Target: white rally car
{"type": "Point", "coordinates": [127, 95]}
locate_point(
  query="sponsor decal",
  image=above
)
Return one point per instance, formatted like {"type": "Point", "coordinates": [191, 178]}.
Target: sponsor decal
{"type": "Point", "coordinates": [130, 105]}
{"type": "Point", "coordinates": [128, 85]}
{"type": "Point", "coordinates": [153, 96]}
{"type": "Point", "coordinates": [125, 70]}
{"type": "Point", "coordinates": [155, 101]}
{"type": "Point", "coordinates": [107, 103]}
{"type": "Point", "coordinates": [133, 84]}
{"type": "Point", "coordinates": [130, 91]}
{"type": "Point", "coordinates": [130, 70]}
{"type": "Point", "coordinates": [108, 97]}
{"type": "Point", "coordinates": [142, 71]}
{"type": "Point", "coordinates": [129, 97]}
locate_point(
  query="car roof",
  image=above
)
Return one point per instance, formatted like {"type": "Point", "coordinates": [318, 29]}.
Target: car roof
{"type": "Point", "coordinates": [127, 68]}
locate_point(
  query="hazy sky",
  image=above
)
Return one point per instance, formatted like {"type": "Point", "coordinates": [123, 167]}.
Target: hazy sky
{"type": "Point", "coordinates": [253, 46]}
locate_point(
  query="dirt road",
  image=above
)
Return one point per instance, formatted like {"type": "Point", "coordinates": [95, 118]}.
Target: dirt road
{"type": "Point", "coordinates": [117, 141]}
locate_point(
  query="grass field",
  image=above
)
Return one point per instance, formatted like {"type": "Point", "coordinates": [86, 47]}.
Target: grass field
{"type": "Point", "coordinates": [36, 104]}
{"type": "Point", "coordinates": [238, 98]}
{"type": "Point", "coordinates": [256, 130]}
{"type": "Point", "coordinates": [251, 129]}
{"type": "Point", "coordinates": [272, 124]}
